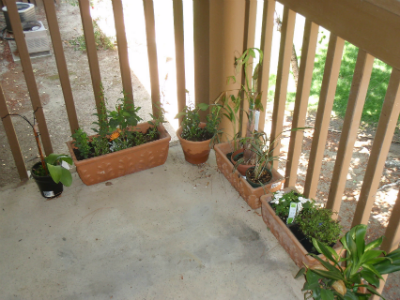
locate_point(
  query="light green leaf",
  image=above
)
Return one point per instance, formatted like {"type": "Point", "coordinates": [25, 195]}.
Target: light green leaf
{"type": "Point", "coordinates": [55, 172]}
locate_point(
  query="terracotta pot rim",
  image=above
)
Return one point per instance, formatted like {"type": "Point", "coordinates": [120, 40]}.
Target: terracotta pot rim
{"type": "Point", "coordinates": [179, 132]}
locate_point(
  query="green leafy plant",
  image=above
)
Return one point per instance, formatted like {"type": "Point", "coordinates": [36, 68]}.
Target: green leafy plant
{"type": "Point", "coordinates": [318, 223]}
{"type": "Point", "coordinates": [53, 167]}
{"type": "Point", "coordinates": [190, 124]}
{"type": "Point", "coordinates": [82, 142]}
{"type": "Point", "coordinates": [115, 130]}
{"type": "Point", "coordinates": [280, 202]}
{"type": "Point", "coordinates": [101, 40]}
{"type": "Point", "coordinates": [50, 165]}
{"type": "Point", "coordinates": [343, 277]}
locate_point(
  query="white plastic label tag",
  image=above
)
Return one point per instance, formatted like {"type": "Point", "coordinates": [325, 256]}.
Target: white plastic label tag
{"type": "Point", "coordinates": [48, 194]}
{"type": "Point", "coordinates": [277, 184]}
{"type": "Point", "coordinates": [256, 119]}
{"type": "Point", "coordinates": [292, 212]}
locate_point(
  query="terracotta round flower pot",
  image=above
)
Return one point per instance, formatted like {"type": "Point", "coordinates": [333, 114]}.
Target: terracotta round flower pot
{"type": "Point", "coordinates": [195, 152]}
{"type": "Point", "coordinates": [241, 168]}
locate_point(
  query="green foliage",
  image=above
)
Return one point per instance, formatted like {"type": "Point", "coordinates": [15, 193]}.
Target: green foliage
{"type": "Point", "coordinates": [190, 124]}
{"type": "Point", "coordinates": [280, 202]}
{"type": "Point", "coordinates": [231, 106]}
{"type": "Point", "coordinates": [376, 90]}
{"type": "Point", "coordinates": [56, 171]}
{"type": "Point", "coordinates": [102, 41]}
{"type": "Point", "coordinates": [250, 86]}
{"type": "Point", "coordinates": [364, 266]}
{"type": "Point", "coordinates": [318, 223]}
{"type": "Point", "coordinates": [124, 115]}
{"type": "Point", "coordinates": [81, 142]}
{"type": "Point", "coordinates": [116, 129]}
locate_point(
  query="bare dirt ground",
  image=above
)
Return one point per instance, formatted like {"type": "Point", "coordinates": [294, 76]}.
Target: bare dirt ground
{"type": "Point", "coordinates": [13, 83]}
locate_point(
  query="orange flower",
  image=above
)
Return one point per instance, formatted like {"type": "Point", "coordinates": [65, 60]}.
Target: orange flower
{"type": "Point", "coordinates": [115, 134]}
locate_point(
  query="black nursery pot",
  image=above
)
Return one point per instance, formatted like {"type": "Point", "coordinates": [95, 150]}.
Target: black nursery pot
{"type": "Point", "coordinates": [48, 188]}
{"type": "Point", "coordinates": [256, 184]}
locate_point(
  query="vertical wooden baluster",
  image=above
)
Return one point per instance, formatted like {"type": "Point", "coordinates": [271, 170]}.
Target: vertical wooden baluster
{"type": "Point", "coordinates": [358, 92]}
{"type": "Point", "coordinates": [61, 64]}
{"type": "Point", "coordinates": [282, 77]}
{"type": "Point", "coordinates": [266, 46]}
{"type": "Point", "coordinates": [122, 49]}
{"type": "Point", "coordinates": [179, 54]}
{"type": "Point", "coordinates": [380, 149]}
{"type": "Point", "coordinates": [392, 238]}
{"type": "Point", "coordinates": [12, 137]}
{"type": "Point", "coordinates": [301, 103]}
{"type": "Point", "coordinates": [152, 54]}
{"type": "Point", "coordinates": [327, 95]}
{"type": "Point", "coordinates": [248, 42]}
{"type": "Point", "coordinates": [91, 51]}
{"type": "Point", "coordinates": [201, 43]}
{"type": "Point", "coordinates": [29, 75]}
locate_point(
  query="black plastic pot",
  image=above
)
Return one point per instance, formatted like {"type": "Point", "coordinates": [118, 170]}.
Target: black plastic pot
{"type": "Point", "coordinates": [48, 188]}
{"type": "Point", "coordinates": [256, 184]}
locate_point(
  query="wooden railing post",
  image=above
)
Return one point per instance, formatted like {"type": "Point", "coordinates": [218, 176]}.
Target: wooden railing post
{"type": "Point", "coordinates": [61, 64]}
{"type": "Point", "coordinates": [248, 42]}
{"type": "Point", "coordinates": [122, 49]}
{"type": "Point", "coordinates": [266, 47]}
{"type": "Point", "coordinates": [380, 149]}
{"type": "Point", "coordinates": [359, 88]}
{"type": "Point", "coordinates": [327, 95]}
{"type": "Point", "coordinates": [179, 54]}
{"type": "Point", "coordinates": [392, 238]}
{"type": "Point", "coordinates": [91, 51]}
{"type": "Point", "coordinates": [148, 7]}
{"type": "Point", "coordinates": [227, 19]}
{"type": "Point", "coordinates": [202, 10]}
{"type": "Point", "coordinates": [29, 75]}
{"type": "Point", "coordinates": [12, 137]}
{"type": "Point", "coordinates": [302, 95]}
{"type": "Point", "coordinates": [282, 76]}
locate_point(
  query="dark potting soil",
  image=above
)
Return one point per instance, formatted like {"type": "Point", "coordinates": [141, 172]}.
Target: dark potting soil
{"type": "Point", "coordinates": [204, 136]}
{"type": "Point", "coordinates": [229, 155]}
{"type": "Point", "coordinates": [295, 229]}
{"type": "Point", "coordinates": [264, 177]}
{"type": "Point", "coordinates": [145, 138]}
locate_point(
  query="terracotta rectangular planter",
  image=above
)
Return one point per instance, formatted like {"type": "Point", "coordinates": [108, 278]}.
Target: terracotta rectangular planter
{"type": "Point", "coordinates": [285, 236]}
{"type": "Point", "coordinates": [102, 168]}
{"type": "Point", "coordinates": [249, 194]}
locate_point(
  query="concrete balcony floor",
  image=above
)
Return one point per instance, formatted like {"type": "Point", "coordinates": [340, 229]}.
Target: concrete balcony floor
{"type": "Point", "coordinates": [177, 231]}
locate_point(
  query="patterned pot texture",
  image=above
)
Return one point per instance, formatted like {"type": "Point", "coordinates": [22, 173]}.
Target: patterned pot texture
{"type": "Point", "coordinates": [247, 192]}
{"type": "Point", "coordinates": [138, 158]}
{"type": "Point", "coordinates": [195, 152]}
{"type": "Point", "coordinates": [285, 236]}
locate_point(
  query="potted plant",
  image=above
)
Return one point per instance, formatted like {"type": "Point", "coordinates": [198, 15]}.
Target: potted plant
{"type": "Point", "coordinates": [295, 220]}
{"type": "Point", "coordinates": [49, 174]}
{"type": "Point", "coordinates": [355, 276]}
{"type": "Point", "coordinates": [121, 146]}
{"type": "Point", "coordinates": [249, 92]}
{"type": "Point", "coordinates": [196, 137]}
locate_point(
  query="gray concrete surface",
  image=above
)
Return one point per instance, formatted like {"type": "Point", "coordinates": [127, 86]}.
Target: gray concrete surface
{"type": "Point", "coordinates": [177, 231]}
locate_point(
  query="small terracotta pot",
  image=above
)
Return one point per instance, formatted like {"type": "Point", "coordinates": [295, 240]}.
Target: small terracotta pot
{"type": "Point", "coordinates": [241, 168]}
{"type": "Point", "coordinates": [195, 152]}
